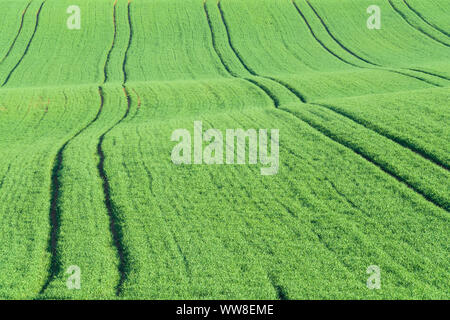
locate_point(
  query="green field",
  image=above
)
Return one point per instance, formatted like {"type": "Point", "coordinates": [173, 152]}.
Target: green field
{"type": "Point", "coordinates": [87, 178]}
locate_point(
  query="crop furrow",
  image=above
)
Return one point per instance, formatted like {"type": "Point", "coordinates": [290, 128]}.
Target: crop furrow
{"type": "Point", "coordinates": [402, 15]}
{"type": "Point", "coordinates": [44, 113]}
{"type": "Point", "coordinates": [281, 292]}
{"type": "Point", "coordinates": [139, 103]}
{"type": "Point", "coordinates": [355, 65]}
{"type": "Point", "coordinates": [55, 210]}
{"type": "Point", "coordinates": [115, 227]}
{"type": "Point", "coordinates": [18, 32]}
{"type": "Point", "coordinates": [5, 175]}
{"type": "Point", "coordinates": [358, 56]}
{"type": "Point", "coordinates": [329, 134]}
{"type": "Point", "coordinates": [343, 196]}
{"type": "Point", "coordinates": [430, 73]}
{"type": "Point", "coordinates": [403, 142]}
{"type": "Point", "coordinates": [27, 47]}
{"type": "Point", "coordinates": [336, 40]}
{"type": "Point", "coordinates": [105, 71]}
{"type": "Point", "coordinates": [318, 40]}
{"type": "Point", "coordinates": [417, 77]}
{"type": "Point", "coordinates": [249, 69]}
{"type": "Point", "coordinates": [425, 20]}
{"type": "Point", "coordinates": [302, 98]}
{"type": "Point", "coordinates": [219, 54]}
{"type": "Point", "coordinates": [326, 132]}
{"type": "Point", "coordinates": [129, 41]}
{"type": "Point", "coordinates": [297, 93]}
{"type": "Point", "coordinates": [260, 86]}
{"type": "Point", "coordinates": [252, 72]}
{"type": "Point", "coordinates": [150, 180]}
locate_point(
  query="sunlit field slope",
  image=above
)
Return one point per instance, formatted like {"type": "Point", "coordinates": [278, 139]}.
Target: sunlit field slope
{"type": "Point", "coordinates": [87, 181]}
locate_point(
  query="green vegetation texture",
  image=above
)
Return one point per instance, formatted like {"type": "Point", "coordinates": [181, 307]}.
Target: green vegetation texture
{"type": "Point", "coordinates": [86, 176]}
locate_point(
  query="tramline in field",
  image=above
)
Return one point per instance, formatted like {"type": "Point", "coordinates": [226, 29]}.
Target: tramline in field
{"type": "Point", "coordinates": [88, 181]}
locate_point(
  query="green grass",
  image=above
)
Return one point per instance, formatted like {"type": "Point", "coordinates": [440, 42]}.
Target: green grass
{"type": "Point", "coordinates": [87, 179]}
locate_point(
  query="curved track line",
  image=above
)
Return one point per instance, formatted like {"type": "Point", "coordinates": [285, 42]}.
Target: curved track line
{"type": "Point", "coordinates": [105, 67]}
{"type": "Point", "coordinates": [328, 134]}
{"type": "Point", "coordinates": [358, 66]}
{"type": "Point", "coordinates": [367, 125]}
{"type": "Point", "coordinates": [139, 103]}
{"type": "Point", "coordinates": [129, 42]}
{"type": "Point", "coordinates": [280, 291]}
{"type": "Point", "coordinates": [318, 40]}
{"type": "Point", "coordinates": [402, 15]}
{"type": "Point", "coordinates": [303, 99]}
{"type": "Point", "coordinates": [237, 54]}
{"type": "Point", "coordinates": [55, 211]}
{"type": "Point", "coordinates": [115, 227]}
{"type": "Point", "coordinates": [337, 41]}
{"type": "Point", "coordinates": [300, 96]}
{"type": "Point", "coordinates": [373, 127]}
{"type": "Point", "coordinates": [425, 20]}
{"type": "Point", "coordinates": [4, 176]}
{"type": "Point", "coordinates": [27, 47]}
{"type": "Point", "coordinates": [345, 144]}
{"type": "Point", "coordinates": [213, 38]}
{"type": "Point", "coordinates": [430, 73]}
{"type": "Point", "coordinates": [359, 57]}
{"type": "Point", "coordinates": [253, 82]}
{"type": "Point", "coordinates": [18, 33]}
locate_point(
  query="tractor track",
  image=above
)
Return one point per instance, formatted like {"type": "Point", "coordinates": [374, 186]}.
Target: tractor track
{"type": "Point", "coordinates": [115, 227]}
{"type": "Point", "coordinates": [18, 32]}
{"type": "Point", "coordinates": [55, 211]}
{"type": "Point", "coordinates": [28, 45]}
{"type": "Point", "coordinates": [252, 71]}
{"type": "Point", "coordinates": [129, 42]}
{"type": "Point", "coordinates": [2, 181]}
{"type": "Point", "coordinates": [253, 82]}
{"type": "Point", "coordinates": [400, 141]}
{"type": "Point", "coordinates": [324, 131]}
{"type": "Point", "coordinates": [425, 20]}
{"type": "Point", "coordinates": [303, 99]}
{"type": "Point", "coordinates": [345, 48]}
{"type": "Point", "coordinates": [381, 68]}
{"type": "Point", "coordinates": [366, 124]}
{"type": "Point", "coordinates": [113, 214]}
{"type": "Point", "coordinates": [108, 56]}
{"type": "Point", "coordinates": [403, 16]}
{"type": "Point", "coordinates": [280, 291]}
